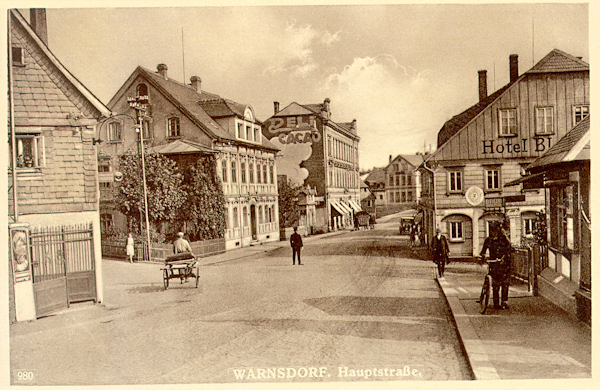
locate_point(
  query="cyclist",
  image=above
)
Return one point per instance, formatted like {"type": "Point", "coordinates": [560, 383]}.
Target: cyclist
{"type": "Point", "coordinates": [499, 248]}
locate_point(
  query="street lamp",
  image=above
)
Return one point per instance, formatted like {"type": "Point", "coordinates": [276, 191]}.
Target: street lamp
{"type": "Point", "coordinates": [140, 105]}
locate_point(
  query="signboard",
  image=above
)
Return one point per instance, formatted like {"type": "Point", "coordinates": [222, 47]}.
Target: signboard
{"type": "Point", "coordinates": [19, 254]}
{"type": "Point", "coordinates": [293, 129]}
{"type": "Point", "coordinates": [494, 203]}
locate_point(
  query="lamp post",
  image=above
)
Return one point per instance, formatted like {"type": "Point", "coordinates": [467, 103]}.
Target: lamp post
{"type": "Point", "coordinates": [140, 105]}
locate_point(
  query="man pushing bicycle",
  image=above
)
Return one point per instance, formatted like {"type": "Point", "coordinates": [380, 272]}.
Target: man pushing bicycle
{"type": "Point", "coordinates": [499, 249]}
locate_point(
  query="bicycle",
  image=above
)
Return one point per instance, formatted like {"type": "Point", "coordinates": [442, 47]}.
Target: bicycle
{"type": "Point", "coordinates": [486, 289]}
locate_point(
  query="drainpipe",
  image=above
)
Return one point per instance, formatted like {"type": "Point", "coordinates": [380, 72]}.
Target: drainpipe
{"type": "Point", "coordinates": [434, 194]}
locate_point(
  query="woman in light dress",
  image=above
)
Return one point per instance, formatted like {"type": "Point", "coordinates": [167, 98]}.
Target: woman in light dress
{"type": "Point", "coordinates": [130, 248]}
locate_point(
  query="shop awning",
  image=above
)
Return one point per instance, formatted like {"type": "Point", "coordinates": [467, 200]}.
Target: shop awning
{"type": "Point", "coordinates": [355, 206]}
{"type": "Point", "coordinates": [533, 180]}
{"type": "Point", "coordinates": [345, 207]}
{"type": "Point", "coordinates": [338, 208]}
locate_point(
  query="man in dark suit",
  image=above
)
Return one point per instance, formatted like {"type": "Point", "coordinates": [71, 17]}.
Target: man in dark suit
{"type": "Point", "coordinates": [499, 248]}
{"type": "Point", "coordinates": [296, 242]}
{"type": "Point", "coordinates": [439, 246]}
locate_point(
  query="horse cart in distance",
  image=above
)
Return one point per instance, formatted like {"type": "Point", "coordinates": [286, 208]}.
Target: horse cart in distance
{"type": "Point", "coordinates": [181, 266]}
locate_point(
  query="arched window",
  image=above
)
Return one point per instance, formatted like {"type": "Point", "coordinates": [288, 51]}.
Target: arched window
{"type": "Point", "coordinates": [245, 216]}
{"type": "Point", "coordinates": [141, 90]}
{"type": "Point", "coordinates": [267, 214]}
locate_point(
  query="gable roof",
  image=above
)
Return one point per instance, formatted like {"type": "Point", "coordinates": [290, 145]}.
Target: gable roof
{"type": "Point", "coordinates": [377, 175]}
{"type": "Point", "coordinates": [192, 104]}
{"type": "Point", "coordinates": [574, 146]}
{"type": "Point", "coordinates": [559, 61]}
{"type": "Point", "coordinates": [181, 146]}
{"type": "Point", "coordinates": [64, 87]}
{"type": "Point", "coordinates": [295, 109]}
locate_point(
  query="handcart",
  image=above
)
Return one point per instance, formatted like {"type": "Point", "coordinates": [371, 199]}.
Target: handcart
{"type": "Point", "coordinates": [181, 266]}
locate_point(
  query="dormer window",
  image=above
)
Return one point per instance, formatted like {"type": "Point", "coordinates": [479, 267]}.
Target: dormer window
{"type": "Point", "coordinates": [17, 56]}
{"type": "Point", "coordinates": [256, 134]}
{"type": "Point", "coordinates": [173, 127]}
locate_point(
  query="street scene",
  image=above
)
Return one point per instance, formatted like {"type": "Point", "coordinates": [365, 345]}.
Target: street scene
{"type": "Point", "coordinates": [317, 194]}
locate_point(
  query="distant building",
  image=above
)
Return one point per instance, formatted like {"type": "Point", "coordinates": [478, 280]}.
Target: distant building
{"type": "Point", "coordinates": [185, 120]}
{"type": "Point", "coordinates": [376, 183]}
{"type": "Point", "coordinates": [491, 143]}
{"type": "Point", "coordinates": [54, 119]}
{"type": "Point", "coordinates": [321, 153]}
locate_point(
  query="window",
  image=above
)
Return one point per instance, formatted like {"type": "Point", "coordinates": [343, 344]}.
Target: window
{"type": "Point", "coordinates": [380, 197]}
{"type": "Point", "coordinates": [240, 131]}
{"type": "Point", "coordinates": [408, 180]}
{"type": "Point", "coordinates": [271, 173]}
{"type": "Point", "coordinates": [236, 221]}
{"type": "Point", "coordinates": [146, 133]}
{"type": "Point", "coordinates": [104, 165]}
{"type": "Point", "coordinates": [492, 179]}
{"type": "Point", "coordinates": [403, 197]}
{"type": "Point", "coordinates": [258, 173]}
{"type": "Point", "coordinates": [243, 172]}
{"type": "Point", "coordinates": [30, 151]}
{"type": "Point", "coordinates": [544, 118]}
{"type": "Point", "coordinates": [455, 181]}
{"type": "Point", "coordinates": [561, 225]}
{"type": "Point", "coordinates": [508, 122]}
{"type": "Point", "coordinates": [528, 226]}
{"type": "Point", "coordinates": [233, 172]}
{"type": "Point", "coordinates": [104, 185]}
{"type": "Point", "coordinates": [270, 214]}
{"type": "Point", "coordinates": [260, 214]}
{"type": "Point", "coordinates": [248, 133]}
{"type": "Point", "coordinates": [409, 196]}
{"type": "Point", "coordinates": [245, 216]}
{"type": "Point", "coordinates": [580, 112]}
{"type": "Point", "coordinates": [173, 127]}
{"type": "Point", "coordinates": [141, 90]}
{"type": "Point", "coordinates": [456, 231]}
{"type": "Point", "coordinates": [265, 173]}
{"type": "Point", "coordinates": [227, 222]}
{"type": "Point", "coordinates": [17, 56]}
{"type": "Point", "coordinates": [114, 132]}
{"type": "Point", "coordinates": [329, 145]}
{"type": "Point", "coordinates": [106, 222]}
{"type": "Point", "coordinates": [391, 181]}
{"type": "Point", "coordinates": [224, 170]}
{"type": "Point", "coordinates": [256, 134]}
{"type": "Point", "coordinates": [251, 172]}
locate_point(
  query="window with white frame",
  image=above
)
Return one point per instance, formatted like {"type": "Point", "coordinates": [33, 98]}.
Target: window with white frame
{"type": "Point", "coordinates": [456, 230]}
{"type": "Point", "coordinates": [544, 120]}
{"type": "Point", "coordinates": [173, 127]}
{"type": "Point", "coordinates": [492, 179]}
{"type": "Point", "coordinates": [455, 182]}
{"type": "Point", "coordinates": [528, 226]}
{"type": "Point", "coordinates": [580, 112]}
{"type": "Point", "coordinates": [114, 132]}
{"type": "Point", "coordinates": [507, 121]}
{"type": "Point", "coordinates": [249, 133]}
{"type": "Point", "coordinates": [30, 151]}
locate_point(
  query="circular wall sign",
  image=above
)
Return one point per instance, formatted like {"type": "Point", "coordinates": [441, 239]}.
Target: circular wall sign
{"type": "Point", "coordinates": [118, 176]}
{"type": "Point", "coordinates": [474, 196]}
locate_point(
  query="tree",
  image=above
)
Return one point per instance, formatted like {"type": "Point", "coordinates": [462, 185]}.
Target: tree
{"type": "Point", "coordinates": [289, 210]}
{"type": "Point", "coordinates": [204, 209]}
{"type": "Point", "coordinates": [165, 191]}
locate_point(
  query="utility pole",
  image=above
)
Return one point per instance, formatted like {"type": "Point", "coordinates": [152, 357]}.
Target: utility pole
{"type": "Point", "coordinates": [140, 105]}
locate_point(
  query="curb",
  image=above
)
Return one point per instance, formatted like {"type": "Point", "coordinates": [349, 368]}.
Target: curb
{"type": "Point", "coordinates": [477, 358]}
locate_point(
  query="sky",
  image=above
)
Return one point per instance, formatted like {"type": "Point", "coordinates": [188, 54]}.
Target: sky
{"type": "Point", "coordinates": [400, 70]}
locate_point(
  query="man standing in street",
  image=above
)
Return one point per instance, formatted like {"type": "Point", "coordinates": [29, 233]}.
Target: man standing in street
{"type": "Point", "coordinates": [499, 248]}
{"type": "Point", "coordinates": [181, 245]}
{"type": "Point", "coordinates": [440, 249]}
{"type": "Point", "coordinates": [296, 242]}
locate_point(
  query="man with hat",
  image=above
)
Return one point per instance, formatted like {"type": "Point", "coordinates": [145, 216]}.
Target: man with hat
{"type": "Point", "coordinates": [439, 246]}
{"type": "Point", "coordinates": [499, 248]}
{"type": "Point", "coordinates": [181, 245]}
{"type": "Point", "coordinates": [296, 243]}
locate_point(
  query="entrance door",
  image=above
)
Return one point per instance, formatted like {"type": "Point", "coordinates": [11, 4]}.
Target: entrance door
{"type": "Point", "coordinates": [253, 221]}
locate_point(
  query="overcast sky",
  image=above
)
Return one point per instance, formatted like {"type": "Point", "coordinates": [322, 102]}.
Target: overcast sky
{"type": "Point", "coordinates": [400, 70]}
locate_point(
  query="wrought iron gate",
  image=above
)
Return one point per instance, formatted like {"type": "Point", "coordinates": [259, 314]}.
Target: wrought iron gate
{"type": "Point", "coordinates": [63, 266]}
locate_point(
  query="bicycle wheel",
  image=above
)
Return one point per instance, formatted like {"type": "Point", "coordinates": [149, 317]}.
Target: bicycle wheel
{"type": "Point", "coordinates": [484, 298]}
{"type": "Point", "coordinates": [166, 279]}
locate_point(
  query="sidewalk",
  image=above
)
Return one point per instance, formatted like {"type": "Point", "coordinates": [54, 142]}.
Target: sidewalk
{"type": "Point", "coordinates": [533, 339]}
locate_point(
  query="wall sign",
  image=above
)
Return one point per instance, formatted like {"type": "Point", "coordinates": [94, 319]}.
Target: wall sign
{"type": "Point", "coordinates": [19, 254]}
{"type": "Point", "coordinates": [536, 144]}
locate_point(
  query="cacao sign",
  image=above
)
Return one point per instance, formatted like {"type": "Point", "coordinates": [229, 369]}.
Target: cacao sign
{"type": "Point", "coordinates": [293, 129]}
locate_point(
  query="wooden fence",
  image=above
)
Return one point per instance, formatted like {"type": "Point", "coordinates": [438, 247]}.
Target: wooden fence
{"type": "Point", "coordinates": [159, 252]}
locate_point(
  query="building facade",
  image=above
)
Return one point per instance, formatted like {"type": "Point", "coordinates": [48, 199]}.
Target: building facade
{"type": "Point", "coordinates": [321, 153]}
{"type": "Point", "coordinates": [491, 143]}
{"type": "Point", "coordinates": [184, 119]}
{"type": "Point", "coordinates": [402, 182]}
{"type": "Point", "coordinates": [53, 117]}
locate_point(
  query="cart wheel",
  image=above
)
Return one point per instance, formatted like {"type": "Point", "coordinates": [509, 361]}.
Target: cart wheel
{"type": "Point", "coordinates": [197, 276]}
{"type": "Point", "coordinates": [166, 279]}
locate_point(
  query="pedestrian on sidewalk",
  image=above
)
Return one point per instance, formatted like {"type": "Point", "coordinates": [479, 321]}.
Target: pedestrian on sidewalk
{"type": "Point", "coordinates": [499, 248]}
{"type": "Point", "coordinates": [130, 248]}
{"type": "Point", "coordinates": [296, 243]}
{"type": "Point", "coordinates": [440, 250]}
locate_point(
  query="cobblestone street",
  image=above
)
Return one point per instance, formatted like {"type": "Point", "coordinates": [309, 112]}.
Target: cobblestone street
{"type": "Point", "coordinates": [352, 312]}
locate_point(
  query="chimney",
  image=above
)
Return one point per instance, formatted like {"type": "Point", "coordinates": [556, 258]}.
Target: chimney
{"type": "Point", "coordinates": [514, 67]}
{"type": "Point", "coordinates": [579, 58]}
{"type": "Point", "coordinates": [390, 159]}
{"type": "Point", "coordinates": [275, 107]}
{"type": "Point", "coordinates": [195, 82]}
{"type": "Point", "coordinates": [37, 18]}
{"type": "Point", "coordinates": [482, 84]}
{"type": "Point", "coordinates": [162, 70]}
{"type": "Point", "coordinates": [353, 126]}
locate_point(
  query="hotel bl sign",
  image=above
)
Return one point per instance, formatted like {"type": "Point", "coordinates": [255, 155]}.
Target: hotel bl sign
{"type": "Point", "coordinates": [537, 144]}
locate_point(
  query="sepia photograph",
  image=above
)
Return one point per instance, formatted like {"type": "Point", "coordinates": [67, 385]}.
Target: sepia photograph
{"type": "Point", "coordinates": [298, 194]}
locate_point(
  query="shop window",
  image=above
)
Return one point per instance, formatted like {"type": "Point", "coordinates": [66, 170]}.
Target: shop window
{"type": "Point", "coordinates": [30, 151]}
{"type": "Point", "coordinates": [456, 231]}
{"type": "Point", "coordinates": [580, 112]}
{"type": "Point", "coordinates": [544, 120]}
{"type": "Point", "coordinates": [455, 181]}
{"type": "Point", "coordinates": [173, 127]}
{"type": "Point", "coordinates": [114, 132]}
{"type": "Point", "coordinates": [507, 122]}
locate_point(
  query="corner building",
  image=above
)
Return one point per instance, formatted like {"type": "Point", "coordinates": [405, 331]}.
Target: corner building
{"type": "Point", "coordinates": [488, 145]}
